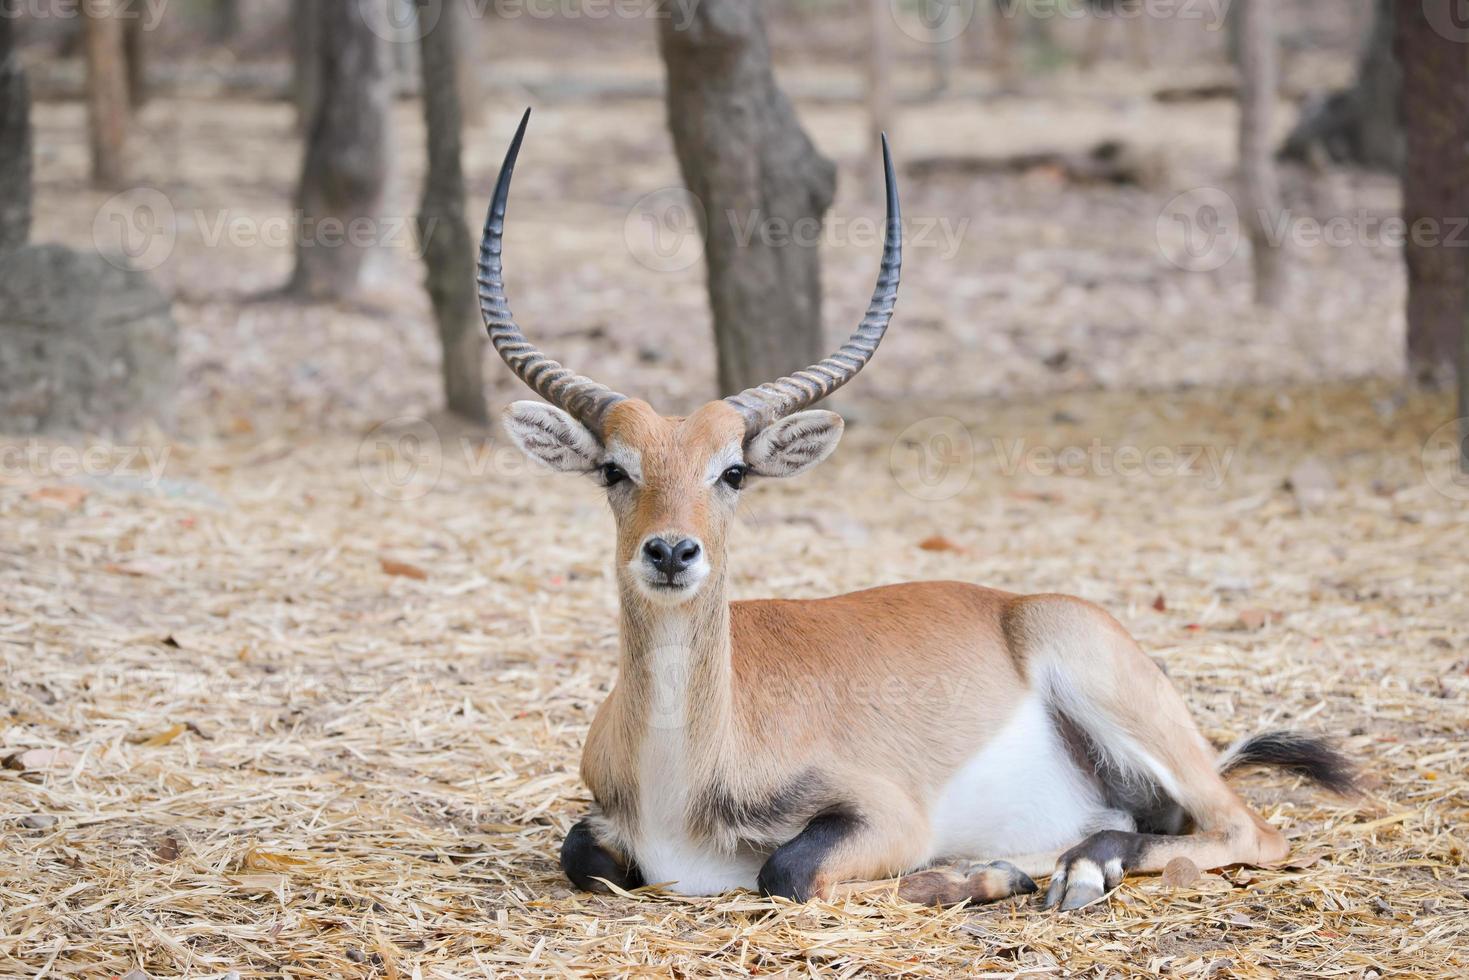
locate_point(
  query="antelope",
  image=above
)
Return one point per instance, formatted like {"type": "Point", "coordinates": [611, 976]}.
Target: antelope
{"type": "Point", "coordinates": [939, 739]}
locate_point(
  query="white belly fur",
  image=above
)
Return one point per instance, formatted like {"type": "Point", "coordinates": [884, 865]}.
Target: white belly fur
{"type": "Point", "coordinates": [1019, 794]}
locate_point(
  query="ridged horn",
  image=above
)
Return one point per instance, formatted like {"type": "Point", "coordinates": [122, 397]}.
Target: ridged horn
{"type": "Point", "coordinates": [776, 399]}
{"type": "Point", "coordinates": [584, 398]}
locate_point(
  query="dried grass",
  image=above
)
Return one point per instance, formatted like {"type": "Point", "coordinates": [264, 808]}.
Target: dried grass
{"type": "Point", "coordinates": [290, 726]}
{"type": "Point", "coordinates": [274, 755]}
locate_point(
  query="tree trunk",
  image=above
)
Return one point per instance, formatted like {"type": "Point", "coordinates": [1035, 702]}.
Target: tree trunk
{"type": "Point", "coordinates": [1435, 114]}
{"type": "Point", "coordinates": [224, 20]}
{"type": "Point", "coordinates": [305, 64]}
{"type": "Point", "coordinates": [762, 185]}
{"type": "Point", "coordinates": [107, 94]}
{"type": "Point", "coordinates": [448, 249]}
{"type": "Point", "coordinates": [15, 143]}
{"type": "Point", "coordinates": [135, 52]}
{"type": "Point", "coordinates": [1359, 124]}
{"type": "Point", "coordinates": [346, 159]}
{"type": "Point", "coordinates": [1259, 74]}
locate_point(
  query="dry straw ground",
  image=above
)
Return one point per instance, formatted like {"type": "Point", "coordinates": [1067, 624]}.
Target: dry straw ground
{"type": "Point", "coordinates": [297, 709]}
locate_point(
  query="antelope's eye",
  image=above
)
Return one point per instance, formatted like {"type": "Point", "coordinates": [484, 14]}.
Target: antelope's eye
{"type": "Point", "coordinates": [734, 476]}
{"type": "Point", "coordinates": [612, 474]}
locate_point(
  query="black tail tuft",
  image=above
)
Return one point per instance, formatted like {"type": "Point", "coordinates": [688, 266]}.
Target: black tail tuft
{"type": "Point", "coordinates": [1307, 755]}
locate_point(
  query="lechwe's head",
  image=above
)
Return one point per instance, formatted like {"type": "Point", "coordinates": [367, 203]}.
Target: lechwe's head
{"type": "Point", "coordinates": [673, 483]}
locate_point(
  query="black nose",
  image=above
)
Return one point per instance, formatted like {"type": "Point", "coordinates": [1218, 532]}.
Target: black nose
{"type": "Point", "coordinates": [670, 559]}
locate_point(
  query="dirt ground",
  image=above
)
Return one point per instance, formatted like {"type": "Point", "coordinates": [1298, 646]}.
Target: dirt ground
{"type": "Point", "coordinates": [306, 698]}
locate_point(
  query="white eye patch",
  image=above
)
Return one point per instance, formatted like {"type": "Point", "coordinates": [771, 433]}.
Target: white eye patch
{"type": "Point", "coordinates": [726, 457]}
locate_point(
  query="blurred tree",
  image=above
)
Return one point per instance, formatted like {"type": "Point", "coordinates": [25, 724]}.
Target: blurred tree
{"type": "Point", "coordinates": [1435, 113]}
{"type": "Point", "coordinates": [1358, 124]}
{"type": "Point", "coordinates": [107, 93]}
{"type": "Point", "coordinates": [1259, 72]}
{"type": "Point", "coordinates": [224, 20]}
{"type": "Point", "coordinates": [345, 164]}
{"type": "Point", "coordinates": [448, 249]}
{"type": "Point", "coordinates": [760, 182]}
{"type": "Point", "coordinates": [135, 54]}
{"type": "Point", "coordinates": [305, 65]}
{"type": "Point", "coordinates": [15, 142]}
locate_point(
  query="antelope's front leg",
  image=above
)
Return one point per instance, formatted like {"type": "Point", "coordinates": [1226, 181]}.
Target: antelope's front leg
{"type": "Point", "coordinates": [842, 852]}
{"type": "Point", "coordinates": [585, 859]}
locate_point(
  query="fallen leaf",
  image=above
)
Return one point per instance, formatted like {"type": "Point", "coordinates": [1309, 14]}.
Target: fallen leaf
{"type": "Point", "coordinates": [59, 498]}
{"type": "Point", "coordinates": [167, 849]}
{"type": "Point", "coordinates": [165, 736]}
{"type": "Point", "coordinates": [260, 884]}
{"type": "Point", "coordinates": [1160, 604]}
{"type": "Point", "coordinates": [1299, 862]}
{"type": "Point", "coordinates": [259, 860]}
{"type": "Point", "coordinates": [402, 569]}
{"type": "Point", "coordinates": [41, 760]}
{"type": "Point", "coordinates": [138, 568]}
{"type": "Point", "coordinates": [938, 543]}
{"type": "Point", "coordinates": [1180, 872]}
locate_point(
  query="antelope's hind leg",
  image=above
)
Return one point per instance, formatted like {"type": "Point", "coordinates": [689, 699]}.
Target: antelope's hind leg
{"type": "Point", "coordinates": [585, 859]}
{"type": "Point", "coordinates": [1141, 735]}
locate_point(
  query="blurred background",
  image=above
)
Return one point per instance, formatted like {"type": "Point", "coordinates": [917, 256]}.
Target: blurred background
{"type": "Point", "coordinates": [1076, 208]}
{"type": "Point", "coordinates": [298, 653]}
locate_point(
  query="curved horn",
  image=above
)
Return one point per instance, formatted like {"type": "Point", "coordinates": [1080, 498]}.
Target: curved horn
{"type": "Point", "coordinates": [584, 398]}
{"type": "Point", "coordinates": [764, 404]}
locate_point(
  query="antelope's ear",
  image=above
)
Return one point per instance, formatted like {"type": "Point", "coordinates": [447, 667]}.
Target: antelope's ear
{"type": "Point", "coordinates": [794, 444]}
{"type": "Point", "coordinates": [552, 438]}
